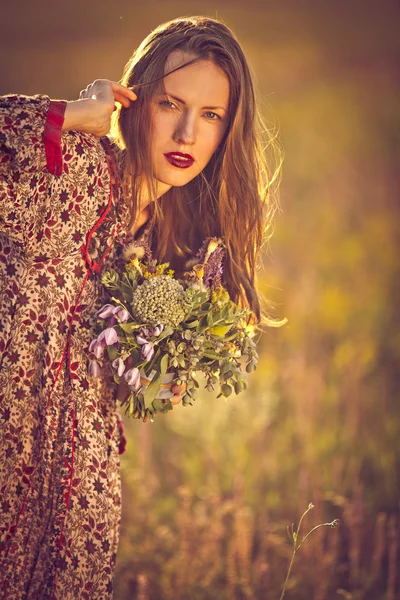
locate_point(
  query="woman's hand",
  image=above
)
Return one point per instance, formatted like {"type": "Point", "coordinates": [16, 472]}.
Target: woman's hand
{"type": "Point", "coordinates": [92, 112]}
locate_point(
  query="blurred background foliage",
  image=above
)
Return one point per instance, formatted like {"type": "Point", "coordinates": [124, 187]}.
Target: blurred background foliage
{"type": "Point", "coordinates": [209, 490]}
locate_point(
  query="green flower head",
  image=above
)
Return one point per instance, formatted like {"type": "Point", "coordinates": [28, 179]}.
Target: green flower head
{"type": "Point", "coordinates": [159, 300]}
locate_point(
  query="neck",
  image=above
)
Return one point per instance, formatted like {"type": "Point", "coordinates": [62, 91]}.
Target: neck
{"type": "Point", "coordinates": [160, 188]}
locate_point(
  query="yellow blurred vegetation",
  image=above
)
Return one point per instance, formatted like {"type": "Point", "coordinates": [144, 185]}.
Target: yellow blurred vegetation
{"type": "Point", "coordinates": [210, 489]}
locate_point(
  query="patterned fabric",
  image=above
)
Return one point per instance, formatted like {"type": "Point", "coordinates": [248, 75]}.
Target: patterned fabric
{"type": "Point", "coordinates": [61, 218]}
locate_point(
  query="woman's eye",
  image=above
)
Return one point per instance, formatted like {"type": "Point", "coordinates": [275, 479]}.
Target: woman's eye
{"type": "Point", "coordinates": [210, 116]}
{"type": "Point", "coordinates": [213, 116]}
{"type": "Point", "coordinates": [167, 104]}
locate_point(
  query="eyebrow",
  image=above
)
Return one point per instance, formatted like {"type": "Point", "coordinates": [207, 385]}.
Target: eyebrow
{"type": "Point", "coordinates": [183, 102]}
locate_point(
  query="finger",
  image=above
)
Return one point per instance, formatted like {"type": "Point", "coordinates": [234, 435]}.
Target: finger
{"type": "Point", "coordinates": [124, 91]}
{"type": "Point", "coordinates": [122, 100]}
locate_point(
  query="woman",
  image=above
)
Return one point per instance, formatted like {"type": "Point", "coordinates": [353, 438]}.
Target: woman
{"type": "Point", "coordinates": [184, 164]}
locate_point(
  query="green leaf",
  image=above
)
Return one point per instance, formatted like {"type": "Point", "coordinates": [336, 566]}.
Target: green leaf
{"type": "Point", "coordinates": [203, 325]}
{"type": "Point", "coordinates": [135, 356]}
{"type": "Point", "coordinates": [126, 279]}
{"type": "Point", "coordinates": [224, 366]}
{"type": "Point", "coordinates": [250, 367]}
{"type": "Point", "coordinates": [132, 275]}
{"type": "Point", "coordinates": [164, 364]}
{"type": "Point", "coordinates": [150, 366]}
{"type": "Point", "coordinates": [110, 279]}
{"type": "Point", "coordinates": [226, 389]}
{"type": "Point", "coordinates": [225, 312]}
{"type": "Point", "coordinates": [220, 330]}
{"type": "Point", "coordinates": [217, 317]}
{"type": "Point", "coordinates": [152, 390]}
{"type": "Point", "coordinates": [129, 327]}
{"type": "Point", "coordinates": [126, 291]}
{"type": "Point", "coordinates": [162, 406]}
{"type": "Point", "coordinates": [165, 333]}
{"type": "Point", "coordinates": [112, 352]}
{"type": "Point", "coordinates": [238, 387]}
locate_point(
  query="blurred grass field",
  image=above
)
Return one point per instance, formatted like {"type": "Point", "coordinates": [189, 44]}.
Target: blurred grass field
{"type": "Point", "coordinates": [209, 490]}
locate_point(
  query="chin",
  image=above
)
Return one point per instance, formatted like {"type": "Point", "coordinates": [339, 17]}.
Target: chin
{"type": "Point", "coordinates": [176, 179]}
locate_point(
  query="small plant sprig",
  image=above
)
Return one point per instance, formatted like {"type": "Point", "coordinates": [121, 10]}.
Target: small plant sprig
{"type": "Point", "coordinates": [294, 537]}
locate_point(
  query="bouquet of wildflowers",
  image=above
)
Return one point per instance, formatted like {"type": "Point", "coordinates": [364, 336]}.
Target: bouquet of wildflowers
{"type": "Point", "coordinates": [158, 330]}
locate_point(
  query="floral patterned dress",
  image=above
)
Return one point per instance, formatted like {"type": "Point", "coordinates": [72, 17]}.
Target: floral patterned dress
{"type": "Point", "coordinates": [61, 216]}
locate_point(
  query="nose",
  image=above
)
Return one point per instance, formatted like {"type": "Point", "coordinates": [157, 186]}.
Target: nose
{"type": "Point", "coordinates": [185, 131]}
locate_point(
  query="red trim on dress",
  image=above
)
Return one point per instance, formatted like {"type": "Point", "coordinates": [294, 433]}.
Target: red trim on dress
{"type": "Point", "coordinates": [52, 136]}
{"type": "Point", "coordinates": [93, 265]}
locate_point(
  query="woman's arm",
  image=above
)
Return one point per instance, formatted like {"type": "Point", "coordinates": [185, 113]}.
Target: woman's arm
{"type": "Point", "coordinates": [26, 123]}
{"type": "Point", "coordinates": [92, 112]}
{"type": "Point", "coordinates": [32, 146]}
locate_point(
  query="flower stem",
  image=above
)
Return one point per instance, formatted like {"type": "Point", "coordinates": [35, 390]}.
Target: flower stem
{"type": "Point", "coordinates": [313, 529]}
{"type": "Point", "coordinates": [297, 545]}
{"type": "Point", "coordinates": [288, 575]}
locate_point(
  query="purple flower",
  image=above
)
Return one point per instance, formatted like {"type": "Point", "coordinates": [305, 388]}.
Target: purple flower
{"type": "Point", "coordinates": [106, 338]}
{"type": "Point", "coordinates": [110, 311]}
{"type": "Point", "coordinates": [154, 332]}
{"type": "Point", "coordinates": [211, 256]}
{"type": "Point", "coordinates": [213, 269]}
{"type": "Point", "coordinates": [122, 314]}
{"type": "Point", "coordinates": [109, 336]}
{"type": "Point", "coordinates": [200, 256]}
{"type": "Point", "coordinates": [148, 351]}
{"type": "Point", "coordinates": [132, 378]}
{"type": "Point", "coordinates": [119, 366]}
{"type": "Point", "coordinates": [106, 311]}
{"type": "Point", "coordinates": [97, 348]}
{"type": "Point", "coordinates": [147, 347]}
{"type": "Point", "coordinates": [94, 368]}
{"type": "Point", "coordinates": [92, 345]}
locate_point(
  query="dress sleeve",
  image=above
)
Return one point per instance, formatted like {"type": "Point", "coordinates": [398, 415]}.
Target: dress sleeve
{"type": "Point", "coordinates": [30, 134]}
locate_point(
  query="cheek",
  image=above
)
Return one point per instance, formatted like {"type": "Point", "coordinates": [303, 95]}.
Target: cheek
{"type": "Point", "coordinates": [210, 143]}
{"type": "Point", "coordinates": [160, 127]}
{"type": "Point", "coordinates": [164, 125]}
{"type": "Point", "coordinates": [158, 131]}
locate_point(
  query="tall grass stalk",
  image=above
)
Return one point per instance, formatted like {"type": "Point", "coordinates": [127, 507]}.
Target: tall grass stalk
{"type": "Point", "coordinates": [294, 538]}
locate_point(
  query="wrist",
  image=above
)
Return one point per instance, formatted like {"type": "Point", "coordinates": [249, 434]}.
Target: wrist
{"type": "Point", "coordinates": [77, 114]}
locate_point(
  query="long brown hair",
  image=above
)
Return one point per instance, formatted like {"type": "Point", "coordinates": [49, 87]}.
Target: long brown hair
{"type": "Point", "coordinates": [234, 197]}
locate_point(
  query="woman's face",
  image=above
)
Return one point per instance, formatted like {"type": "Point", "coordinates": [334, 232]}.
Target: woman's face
{"type": "Point", "coordinates": [189, 120]}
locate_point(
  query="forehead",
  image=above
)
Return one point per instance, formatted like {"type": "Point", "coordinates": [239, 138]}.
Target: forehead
{"type": "Point", "coordinates": [202, 81]}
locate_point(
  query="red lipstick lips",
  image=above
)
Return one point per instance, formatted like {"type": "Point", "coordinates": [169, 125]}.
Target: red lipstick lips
{"type": "Point", "coordinates": [177, 159]}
